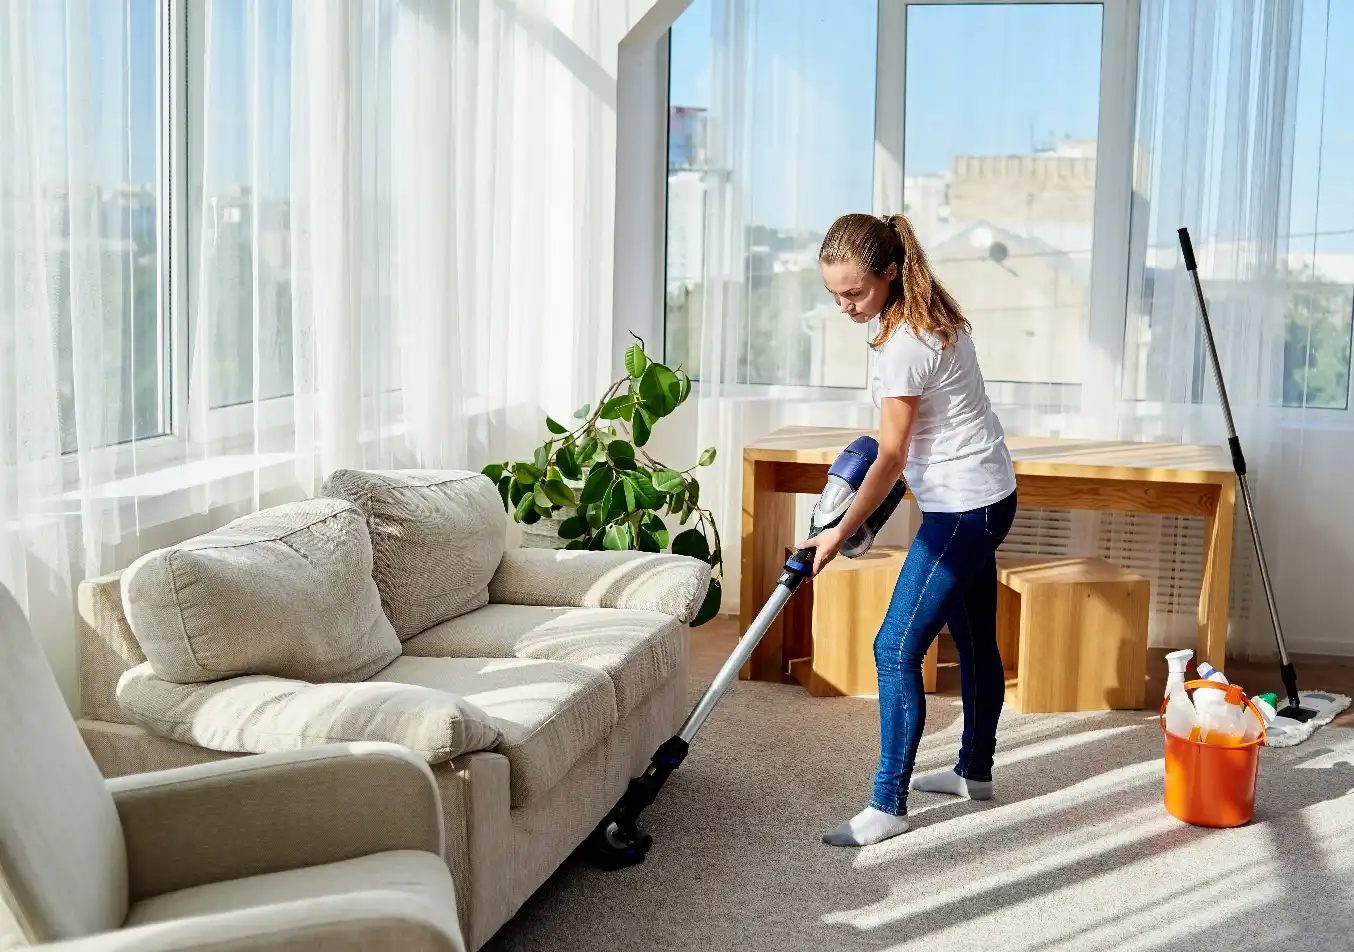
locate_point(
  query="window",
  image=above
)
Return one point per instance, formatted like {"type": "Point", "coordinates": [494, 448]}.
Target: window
{"type": "Point", "coordinates": [793, 153]}
{"type": "Point", "coordinates": [243, 279]}
{"type": "Point", "coordinates": [101, 207]}
{"type": "Point", "coordinates": [1320, 266]}
{"type": "Point", "coordinates": [1000, 133]}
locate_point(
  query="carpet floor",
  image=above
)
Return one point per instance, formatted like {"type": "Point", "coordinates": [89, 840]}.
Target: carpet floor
{"type": "Point", "coordinates": [1074, 852]}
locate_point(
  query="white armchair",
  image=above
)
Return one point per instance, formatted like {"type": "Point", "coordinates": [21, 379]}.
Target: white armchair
{"type": "Point", "coordinates": [335, 848]}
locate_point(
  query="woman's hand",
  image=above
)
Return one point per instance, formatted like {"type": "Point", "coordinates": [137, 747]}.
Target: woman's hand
{"type": "Point", "coordinates": [826, 545]}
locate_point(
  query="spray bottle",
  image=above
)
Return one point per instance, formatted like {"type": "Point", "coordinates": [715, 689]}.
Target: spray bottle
{"type": "Point", "coordinates": [1181, 718]}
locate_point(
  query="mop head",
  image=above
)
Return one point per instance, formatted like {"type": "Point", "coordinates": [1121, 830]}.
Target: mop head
{"type": "Point", "coordinates": [1284, 732]}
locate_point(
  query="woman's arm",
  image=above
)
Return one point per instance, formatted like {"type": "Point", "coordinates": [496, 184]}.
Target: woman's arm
{"type": "Point", "coordinates": [896, 417]}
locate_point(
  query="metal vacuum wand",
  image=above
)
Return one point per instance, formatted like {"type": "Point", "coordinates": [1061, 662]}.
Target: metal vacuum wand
{"type": "Point", "coordinates": [1286, 670]}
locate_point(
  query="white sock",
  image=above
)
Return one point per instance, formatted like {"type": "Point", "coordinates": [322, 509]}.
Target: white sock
{"type": "Point", "coordinates": [865, 828]}
{"type": "Point", "coordinates": [947, 781]}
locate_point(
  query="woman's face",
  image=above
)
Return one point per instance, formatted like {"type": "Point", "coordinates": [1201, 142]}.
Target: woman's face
{"type": "Point", "coordinates": [860, 294]}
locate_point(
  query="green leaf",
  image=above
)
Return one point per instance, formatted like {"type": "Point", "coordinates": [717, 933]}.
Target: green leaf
{"type": "Point", "coordinates": [613, 503]}
{"type": "Point", "coordinates": [494, 471]}
{"type": "Point", "coordinates": [708, 456]}
{"type": "Point", "coordinates": [635, 361]}
{"type": "Point", "coordinates": [655, 526]}
{"type": "Point", "coordinates": [557, 492]}
{"type": "Point", "coordinates": [568, 464]}
{"type": "Point", "coordinates": [686, 515]}
{"type": "Point", "coordinates": [684, 386]}
{"type": "Point", "coordinates": [542, 500]}
{"type": "Point", "coordinates": [532, 517]}
{"type": "Point", "coordinates": [620, 451]}
{"type": "Point", "coordinates": [618, 408]}
{"type": "Point", "coordinates": [604, 436]}
{"type": "Point", "coordinates": [642, 483]}
{"type": "Point", "coordinates": [668, 386]}
{"type": "Point", "coordinates": [618, 537]}
{"type": "Point", "coordinates": [573, 527]}
{"type": "Point", "coordinates": [651, 392]}
{"type": "Point", "coordinates": [596, 486]}
{"type": "Point", "coordinates": [647, 542]}
{"type": "Point", "coordinates": [628, 493]}
{"type": "Point", "coordinates": [554, 426]}
{"type": "Point", "coordinates": [545, 512]}
{"type": "Point", "coordinates": [691, 542]}
{"type": "Point", "coordinates": [525, 505]}
{"type": "Point", "coordinates": [693, 493]}
{"type": "Point", "coordinates": [577, 544]}
{"type": "Point", "coordinates": [597, 542]}
{"type": "Point", "coordinates": [582, 412]}
{"type": "Point", "coordinates": [516, 491]}
{"type": "Point", "coordinates": [542, 456]}
{"type": "Point", "coordinates": [714, 595]}
{"type": "Point", "coordinates": [668, 481]}
{"type": "Point", "coordinates": [641, 426]}
{"type": "Point", "coordinates": [527, 473]}
{"type": "Point", "coordinates": [505, 485]}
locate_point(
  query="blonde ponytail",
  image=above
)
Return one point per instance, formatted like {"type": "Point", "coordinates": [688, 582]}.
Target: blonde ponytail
{"type": "Point", "coordinates": [917, 299]}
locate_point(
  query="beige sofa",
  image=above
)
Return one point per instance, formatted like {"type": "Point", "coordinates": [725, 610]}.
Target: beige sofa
{"type": "Point", "coordinates": [535, 683]}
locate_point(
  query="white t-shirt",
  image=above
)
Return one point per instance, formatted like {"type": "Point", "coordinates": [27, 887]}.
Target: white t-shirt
{"type": "Point", "coordinates": [958, 458]}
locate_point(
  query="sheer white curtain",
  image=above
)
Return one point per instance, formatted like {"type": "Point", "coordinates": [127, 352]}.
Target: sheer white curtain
{"type": "Point", "coordinates": [390, 251]}
{"type": "Point", "coordinates": [1214, 152]}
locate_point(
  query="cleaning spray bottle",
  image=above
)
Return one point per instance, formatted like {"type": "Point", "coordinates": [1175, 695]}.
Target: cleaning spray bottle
{"type": "Point", "coordinates": [1264, 703]}
{"type": "Point", "coordinates": [1181, 718]}
{"type": "Point", "coordinates": [1205, 698]}
{"type": "Point", "coordinates": [1223, 724]}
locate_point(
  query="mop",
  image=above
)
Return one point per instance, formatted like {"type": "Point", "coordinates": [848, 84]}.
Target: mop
{"type": "Point", "coordinates": [1306, 710]}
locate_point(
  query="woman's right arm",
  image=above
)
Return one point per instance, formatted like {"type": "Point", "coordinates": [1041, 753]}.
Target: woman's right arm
{"type": "Point", "coordinates": [896, 418]}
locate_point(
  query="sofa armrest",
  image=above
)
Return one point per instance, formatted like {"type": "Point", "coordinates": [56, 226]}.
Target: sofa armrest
{"type": "Point", "coordinates": [672, 584]}
{"type": "Point", "coordinates": [352, 922]}
{"type": "Point", "coordinates": [272, 812]}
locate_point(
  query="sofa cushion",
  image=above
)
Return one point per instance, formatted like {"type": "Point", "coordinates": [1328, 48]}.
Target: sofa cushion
{"type": "Point", "coordinates": [287, 592]}
{"type": "Point", "coordinates": [638, 650]}
{"type": "Point", "coordinates": [675, 585]}
{"type": "Point", "coordinates": [437, 536]}
{"type": "Point", "coordinates": [551, 713]}
{"type": "Point", "coordinates": [259, 714]}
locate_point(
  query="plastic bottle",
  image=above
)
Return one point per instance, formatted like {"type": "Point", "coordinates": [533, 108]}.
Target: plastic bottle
{"type": "Point", "coordinates": [1265, 704]}
{"type": "Point", "coordinates": [1181, 718]}
{"type": "Point", "coordinates": [1223, 724]}
{"type": "Point", "coordinates": [1205, 698]}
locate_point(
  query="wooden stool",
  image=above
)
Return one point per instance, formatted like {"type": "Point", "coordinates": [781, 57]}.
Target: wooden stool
{"type": "Point", "coordinates": [1072, 634]}
{"type": "Point", "coordinates": [831, 622]}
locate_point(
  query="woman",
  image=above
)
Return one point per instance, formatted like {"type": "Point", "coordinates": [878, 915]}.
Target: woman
{"type": "Point", "coordinates": [938, 430]}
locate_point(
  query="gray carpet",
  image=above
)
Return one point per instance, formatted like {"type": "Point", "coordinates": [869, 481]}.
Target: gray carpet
{"type": "Point", "coordinates": [1075, 852]}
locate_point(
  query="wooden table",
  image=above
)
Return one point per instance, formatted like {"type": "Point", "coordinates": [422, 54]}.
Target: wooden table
{"type": "Point", "coordinates": [1167, 478]}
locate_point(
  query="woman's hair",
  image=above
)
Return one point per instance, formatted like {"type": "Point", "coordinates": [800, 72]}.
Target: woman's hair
{"type": "Point", "coordinates": [916, 298]}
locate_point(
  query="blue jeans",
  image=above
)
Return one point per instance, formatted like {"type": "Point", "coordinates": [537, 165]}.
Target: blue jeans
{"type": "Point", "coordinates": [949, 579]}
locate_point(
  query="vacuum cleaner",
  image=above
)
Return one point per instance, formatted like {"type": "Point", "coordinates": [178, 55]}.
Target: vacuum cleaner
{"type": "Point", "coordinates": [1319, 705]}
{"type": "Point", "coordinates": [617, 842]}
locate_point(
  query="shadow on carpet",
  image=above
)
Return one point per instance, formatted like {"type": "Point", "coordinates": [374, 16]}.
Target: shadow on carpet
{"type": "Point", "coordinates": [1074, 852]}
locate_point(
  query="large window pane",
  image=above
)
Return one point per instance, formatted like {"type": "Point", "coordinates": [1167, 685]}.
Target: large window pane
{"type": "Point", "coordinates": [805, 123]}
{"type": "Point", "coordinates": [1000, 125]}
{"type": "Point", "coordinates": [100, 203]}
{"type": "Point", "coordinates": [244, 284]}
{"type": "Point", "coordinates": [1321, 242]}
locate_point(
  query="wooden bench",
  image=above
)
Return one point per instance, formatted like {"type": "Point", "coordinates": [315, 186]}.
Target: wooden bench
{"type": "Point", "coordinates": [1072, 634]}
{"type": "Point", "coordinates": [831, 622]}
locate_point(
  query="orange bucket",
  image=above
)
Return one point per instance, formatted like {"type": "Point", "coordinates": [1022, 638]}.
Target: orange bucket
{"type": "Point", "coordinates": [1210, 785]}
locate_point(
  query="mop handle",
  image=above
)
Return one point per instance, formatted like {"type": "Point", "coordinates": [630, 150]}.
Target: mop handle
{"type": "Point", "coordinates": [1239, 465]}
{"type": "Point", "coordinates": [1233, 443]}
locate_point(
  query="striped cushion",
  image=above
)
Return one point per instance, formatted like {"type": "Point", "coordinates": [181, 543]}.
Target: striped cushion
{"type": "Point", "coordinates": [437, 538]}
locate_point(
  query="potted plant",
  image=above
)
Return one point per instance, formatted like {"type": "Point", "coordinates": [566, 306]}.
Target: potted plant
{"type": "Point", "coordinates": [603, 489]}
